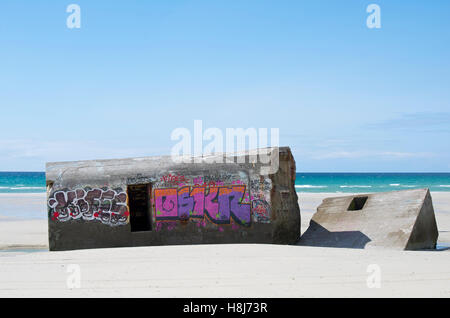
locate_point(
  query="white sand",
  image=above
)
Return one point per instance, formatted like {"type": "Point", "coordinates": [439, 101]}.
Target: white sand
{"type": "Point", "coordinates": [222, 270]}
{"type": "Point", "coordinates": [17, 232]}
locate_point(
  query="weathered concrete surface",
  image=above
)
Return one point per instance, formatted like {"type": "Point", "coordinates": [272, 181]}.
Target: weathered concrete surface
{"type": "Point", "coordinates": [398, 220]}
{"type": "Point", "coordinates": [189, 203]}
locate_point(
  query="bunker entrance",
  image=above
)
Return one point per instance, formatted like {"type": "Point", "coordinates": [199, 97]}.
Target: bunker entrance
{"type": "Point", "coordinates": [139, 204]}
{"type": "Point", "coordinates": [357, 204]}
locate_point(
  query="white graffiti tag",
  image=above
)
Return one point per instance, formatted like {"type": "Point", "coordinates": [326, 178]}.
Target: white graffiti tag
{"type": "Point", "coordinates": [106, 205]}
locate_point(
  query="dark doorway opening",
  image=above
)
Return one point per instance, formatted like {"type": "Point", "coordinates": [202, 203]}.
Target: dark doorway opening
{"type": "Point", "coordinates": [139, 204]}
{"type": "Point", "coordinates": [357, 204]}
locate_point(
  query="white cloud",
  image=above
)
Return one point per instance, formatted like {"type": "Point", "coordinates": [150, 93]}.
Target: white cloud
{"type": "Point", "coordinates": [42, 151]}
{"type": "Point", "coordinates": [437, 122]}
{"type": "Point", "coordinates": [370, 154]}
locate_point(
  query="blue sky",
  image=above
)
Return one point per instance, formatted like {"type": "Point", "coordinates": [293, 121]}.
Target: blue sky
{"type": "Point", "coordinates": [345, 97]}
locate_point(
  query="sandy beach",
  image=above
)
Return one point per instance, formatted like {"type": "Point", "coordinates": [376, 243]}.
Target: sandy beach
{"type": "Point", "coordinates": [28, 270]}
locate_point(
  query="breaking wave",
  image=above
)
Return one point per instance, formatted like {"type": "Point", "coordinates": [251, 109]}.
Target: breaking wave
{"type": "Point", "coordinates": [310, 186]}
{"type": "Point", "coordinates": [355, 186]}
{"type": "Point", "coordinates": [26, 188]}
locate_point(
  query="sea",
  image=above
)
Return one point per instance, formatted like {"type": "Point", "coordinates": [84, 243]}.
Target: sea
{"type": "Point", "coordinates": [34, 182]}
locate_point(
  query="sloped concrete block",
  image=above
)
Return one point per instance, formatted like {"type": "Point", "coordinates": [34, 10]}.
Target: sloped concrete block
{"type": "Point", "coordinates": [398, 220]}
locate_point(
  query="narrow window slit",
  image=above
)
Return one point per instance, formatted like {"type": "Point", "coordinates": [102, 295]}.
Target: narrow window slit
{"type": "Point", "coordinates": [357, 204]}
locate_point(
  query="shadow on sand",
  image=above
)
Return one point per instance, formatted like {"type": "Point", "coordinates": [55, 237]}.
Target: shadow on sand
{"type": "Point", "coordinates": [317, 235]}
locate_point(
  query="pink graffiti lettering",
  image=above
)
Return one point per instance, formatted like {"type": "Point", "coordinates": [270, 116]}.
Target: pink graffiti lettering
{"type": "Point", "coordinates": [219, 204]}
{"type": "Point", "coordinates": [174, 178]}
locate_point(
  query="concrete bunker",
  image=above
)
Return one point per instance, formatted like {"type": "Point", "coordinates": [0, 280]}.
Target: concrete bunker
{"type": "Point", "coordinates": [398, 220]}
{"type": "Point", "coordinates": [156, 201]}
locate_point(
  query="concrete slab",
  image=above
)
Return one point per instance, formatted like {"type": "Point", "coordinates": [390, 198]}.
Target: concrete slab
{"type": "Point", "coordinates": [398, 220]}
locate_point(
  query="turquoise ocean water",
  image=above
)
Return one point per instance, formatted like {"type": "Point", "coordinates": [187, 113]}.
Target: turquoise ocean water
{"type": "Point", "coordinates": [22, 182]}
{"type": "Point", "coordinates": [34, 182]}
{"type": "Point", "coordinates": [370, 182]}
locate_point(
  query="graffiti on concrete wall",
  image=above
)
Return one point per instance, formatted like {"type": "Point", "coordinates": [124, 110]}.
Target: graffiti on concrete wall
{"type": "Point", "coordinates": [106, 205]}
{"type": "Point", "coordinates": [261, 209]}
{"type": "Point", "coordinates": [181, 180]}
{"type": "Point", "coordinates": [174, 178]}
{"type": "Point", "coordinates": [221, 200]}
{"type": "Point", "coordinates": [219, 204]}
{"type": "Point", "coordinates": [261, 197]}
